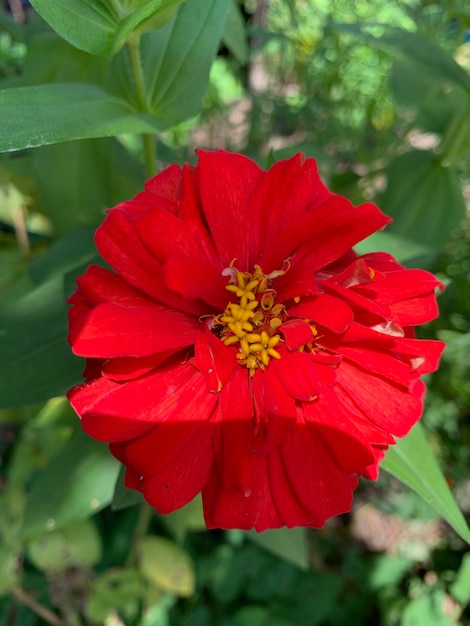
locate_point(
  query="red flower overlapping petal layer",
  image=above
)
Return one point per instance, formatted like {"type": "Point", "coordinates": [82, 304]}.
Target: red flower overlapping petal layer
{"type": "Point", "coordinates": [277, 444]}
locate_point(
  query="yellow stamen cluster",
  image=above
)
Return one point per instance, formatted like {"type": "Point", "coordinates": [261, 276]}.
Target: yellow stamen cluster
{"type": "Point", "coordinates": [254, 321]}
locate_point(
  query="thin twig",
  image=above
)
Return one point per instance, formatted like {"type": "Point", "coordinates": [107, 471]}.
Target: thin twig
{"type": "Point", "coordinates": [17, 11]}
{"type": "Point", "coordinates": [26, 598]}
{"type": "Point", "coordinates": [21, 232]}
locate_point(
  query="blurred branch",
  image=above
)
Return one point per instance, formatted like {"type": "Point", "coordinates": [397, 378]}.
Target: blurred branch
{"type": "Point", "coordinates": [28, 600]}
{"type": "Point", "coordinates": [17, 10]}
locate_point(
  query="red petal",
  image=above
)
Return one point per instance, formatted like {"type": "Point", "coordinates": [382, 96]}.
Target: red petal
{"type": "Point", "coordinates": [424, 354]}
{"type": "Point", "coordinates": [390, 406]}
{"type": "Point", "coordinates": [372, 471]}
{"type": "Point", "coordinates": [350, 448]}
{"type": "Point", "coordinates": [415, 311]}
{"type": "Point", "coordinates": [323, 234]}
{"type": "Point", "coordinates": [165, 186]}
{"type": "Point", "coordinates": [179, 232]}
{"type": "Point", "coordinates": [380, 363]}
{"type": "Point", "coordinates": [197, 279]}
{"type": "Point", "coordinates": [214, 359]}
{"type": "Point", "coordinates": [158, 449]}
{"type": "Point", "coordinates": [184, 477]}
{"type": "Point", "coordinates": [326, 310]}
{"type": "Point", "coordinates": [252, 508]}
{"type": "Point", "coordinates": [289, 189]}
{"type": "Point", "coordinates": [83, 397]}
{"type": "Point", "coordinates": [357, 301]}
{"type": "Point", "coordinates": [358, 273]}
{"type": "Point", "coordinates": [129, 367]}
{"type": "Point", "coordinates": [296, 333]}
{"type": "Point", "coordinates": [321, 486]}
{"type": "Point", "coordinates": [275, 409]}
{"type": "Point", "coordinates": [118, 411]}
{"type": "Point", "coordinates": [237, 433]}
{"type": "Point", "coordinates": [401, 285]}
{"type": "Point", "coordinates": [296, 371]}
{"type": "Point", "coordinates": [120, 245]}
{"type": "Point", "coordinates": [112, 330]}
{"type": "Point", "coordinates": [98, 285]}
{"type": "Point", "coordinates": [290, 510]}
{"type": "Point", "coordinates": [382, 261]}
{"type": "Point", "coordinates": [226, 184]}
{"type": "Point", "coordinates": [295, 282]}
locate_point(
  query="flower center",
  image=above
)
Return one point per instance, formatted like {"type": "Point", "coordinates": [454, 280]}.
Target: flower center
{"type": "Point", "coordinates": [254, 321]}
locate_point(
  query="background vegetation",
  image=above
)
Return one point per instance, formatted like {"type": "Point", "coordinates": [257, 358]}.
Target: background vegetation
{"type": "Point", "coordinates": [94, 98]}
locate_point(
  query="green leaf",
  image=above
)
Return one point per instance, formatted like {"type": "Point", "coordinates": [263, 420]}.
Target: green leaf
{"type": "Point", "coordinates": [428, 609]}
{"type": "Point", "coordinates": [399, 247]}
{"type": "Point", "coordinates": [234, 36]}
{"type": "Point", "coordinates": [167, 566]}
{"type": "Point", "coordinates": [122, 496]}
{"type": "Point", "coordinates": [89, 177]}
{"type": "Point", "coordinates": [412, 461]}
{"type": "Point", "coordinates": [289, 544]}
{"type": "Point", "coordinates": [189, 518]}
{"type": "Point", "coordinates": [424, 55]}
{"type": "Point", "coordinates": [460, 588]}
{"type": "Point", "coordinates": [75, 545]}
{"type": "Point", "coordinates": [257, 615]}
{"type": "Point", "coordinates": [152, 15]}
{"type": "Point", "coordinates": [423, 197]}
{"type": "Point", "coordinates": [70, 251]}
{"type": "Point", "coordinates": [76, 484]}
{"type": "Point", "coordinates": [50, 59]}
{"type": "Point", "coordinates": [98, 26]}
{"type": "Point", "coordinates": [114, 590]}
{"type": "Point", "coordinates": [177, 59]}
{"type": "Point", "coordinates": [36, 116]}
{"type": "Point", "coordinates": [36, 362]}
{"type": "Point", "coordinates": [85, 24]}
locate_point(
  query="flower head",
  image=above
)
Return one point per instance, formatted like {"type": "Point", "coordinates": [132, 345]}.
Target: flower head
{"type": "Point", "coordinates": [240, 348]}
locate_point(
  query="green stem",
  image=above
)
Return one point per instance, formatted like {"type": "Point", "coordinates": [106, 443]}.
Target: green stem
{"type": "Point", "coordinates": [28, 600]}
{"type": "Point", "coordinates": [149, 140]}
{"type": "Point", "coordinates": [140, 530]}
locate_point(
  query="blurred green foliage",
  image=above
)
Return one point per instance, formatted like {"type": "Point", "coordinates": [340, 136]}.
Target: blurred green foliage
{"type": "Point", "coordinates": [379, 93]}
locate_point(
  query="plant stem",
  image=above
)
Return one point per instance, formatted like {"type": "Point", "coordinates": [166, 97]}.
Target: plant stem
{"type": "Point", "coordinates": [149, 140]}
{"type": "Point", "coordinates": [27, 599]}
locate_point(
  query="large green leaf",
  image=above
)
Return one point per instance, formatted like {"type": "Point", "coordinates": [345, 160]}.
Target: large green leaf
{"type": "Point", "coordinates": [77, 483]}
{"type": "Point", "coordinates": [235, 33]}
{"type": "Point", "coordinates": [36, 116]}
{"type": "Point", "coordinates": [402, 249]}
{"type": "Point", "coordinates": [418, 51]}
{"type": "Point", "coordinates": [177, 59]}
{"type": "Point", "coordinates": [35, 360]}
{"type": "Point", "coordinates": [289, 544]}
{"type": "Point", "coordinates": [50, 59]}
{"type": "Point", "coordinates": [99, 26]}
{"type": "Point", "coordinates": [413, 462]}
{"type": "Point", "coordinates": [89, 176]}
{"type": "Point", "coordinates": [423, 197]}
{"type": "Point", "coordinates": [75, 249]}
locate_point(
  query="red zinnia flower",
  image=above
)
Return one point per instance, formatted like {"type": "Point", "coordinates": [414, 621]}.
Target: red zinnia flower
{"type": "Point", "coordinates": [242, 348]}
